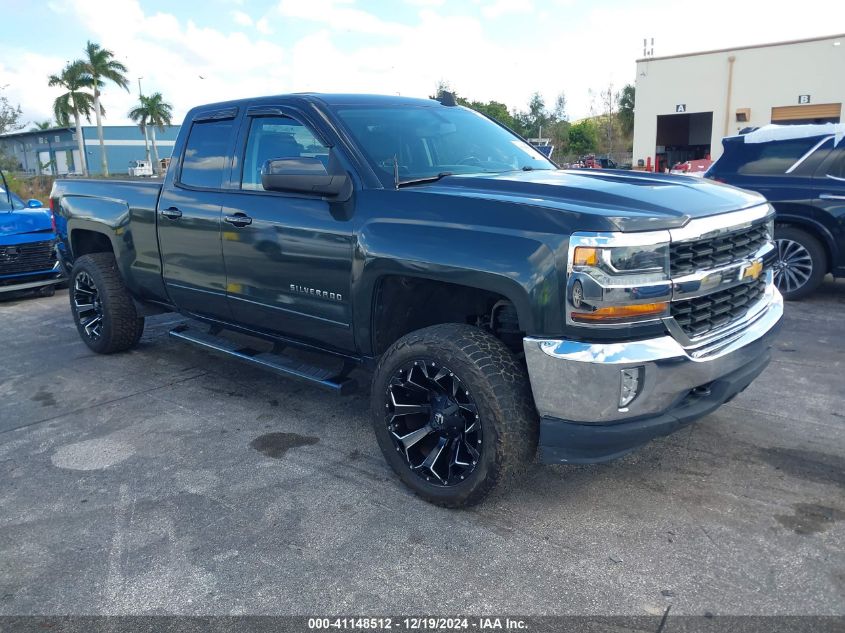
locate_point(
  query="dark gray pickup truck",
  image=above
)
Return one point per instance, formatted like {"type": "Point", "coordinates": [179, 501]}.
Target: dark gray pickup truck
{"type": "Point", "coordinates": [501, 303]}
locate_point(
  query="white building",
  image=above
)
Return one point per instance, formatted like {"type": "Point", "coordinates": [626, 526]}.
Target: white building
{"type": "Point", "coordinates": [686, 104]}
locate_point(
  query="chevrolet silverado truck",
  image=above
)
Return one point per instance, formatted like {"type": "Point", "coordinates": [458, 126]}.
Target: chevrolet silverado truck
{"type": "Point", "coordinates": [503, 307]}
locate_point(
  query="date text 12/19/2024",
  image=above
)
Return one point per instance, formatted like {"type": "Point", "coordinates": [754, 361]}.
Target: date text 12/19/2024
{"type": "Point", "coordinates": [417, 624]}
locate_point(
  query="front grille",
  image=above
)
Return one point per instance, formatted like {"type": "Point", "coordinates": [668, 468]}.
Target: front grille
{"type": "Point", "coordinates": [24, 258]}
{"type": "Point", "coordinates": [692, 256]}
{"type": "Point", "coordinates": [701, 315]}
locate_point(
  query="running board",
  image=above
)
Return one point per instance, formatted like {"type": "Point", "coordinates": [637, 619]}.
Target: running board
{"type": "Point", "coordinates": [338, 382]}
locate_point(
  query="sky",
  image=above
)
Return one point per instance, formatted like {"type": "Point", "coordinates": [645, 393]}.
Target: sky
{"type": "Point", "coordinates": [200, 52]}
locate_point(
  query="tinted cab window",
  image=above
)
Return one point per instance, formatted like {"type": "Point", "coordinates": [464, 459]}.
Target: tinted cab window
{"type": "Point", "coordinates": [206, 154]}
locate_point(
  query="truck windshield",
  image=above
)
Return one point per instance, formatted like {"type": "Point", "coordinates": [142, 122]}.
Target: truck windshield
{"type": "Point", "coordinates": [427, 142]}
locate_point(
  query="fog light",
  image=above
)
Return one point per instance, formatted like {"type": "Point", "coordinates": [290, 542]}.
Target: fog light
{"type": "Point", "coordinates": [629, 385]}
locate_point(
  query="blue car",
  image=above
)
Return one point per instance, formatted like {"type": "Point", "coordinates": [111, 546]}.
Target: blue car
{"type": "Point", "coordinates": [27, 246]}
{"type": "Point", "coordinates": [800, 169]}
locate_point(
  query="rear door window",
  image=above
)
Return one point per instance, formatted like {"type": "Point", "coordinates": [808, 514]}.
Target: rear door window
{"type": "Point", "coordinates": [774, 158]}
{"type": "Point", "coordinates": [206, 154]}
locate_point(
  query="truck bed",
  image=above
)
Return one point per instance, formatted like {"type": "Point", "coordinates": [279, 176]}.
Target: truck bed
{"type": "Point", "coordinates": [125, 211]}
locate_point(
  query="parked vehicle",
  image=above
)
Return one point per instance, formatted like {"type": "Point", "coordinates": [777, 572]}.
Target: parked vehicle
{"type": "Point", "coordinates": [696, 168]}
{"type": "Point", "coordinates": [501, 303]}
{"type": "Point", "coordinates": [800, 169]}
{"type": "Point", "coordinates": [27, 245]}
{"type": "Point", "coordinates": [140, 168]}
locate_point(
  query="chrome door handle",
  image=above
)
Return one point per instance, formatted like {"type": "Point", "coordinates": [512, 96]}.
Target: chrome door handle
{"type": "Point", "coordinates": [830, 196]}
{"type": "Point", "coordinates": [171, 212]}
{"type": "Point", "coordinates": [238, 219]}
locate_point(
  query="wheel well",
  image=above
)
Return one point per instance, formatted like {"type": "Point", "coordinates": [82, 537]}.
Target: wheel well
{"type": "Point", "coordinates": [404, 304]}
{"type": "Point", "coordinates": [814, 231]}
{"type": "Point", "coordinates": [84, 242]}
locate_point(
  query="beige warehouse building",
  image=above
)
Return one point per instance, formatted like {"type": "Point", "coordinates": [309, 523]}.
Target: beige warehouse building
{"type": "Point", "coordinates": [686, 104]}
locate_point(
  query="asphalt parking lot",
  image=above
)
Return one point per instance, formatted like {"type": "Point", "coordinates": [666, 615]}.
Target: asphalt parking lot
{"type": "Point", "coordinates": [169, 480]}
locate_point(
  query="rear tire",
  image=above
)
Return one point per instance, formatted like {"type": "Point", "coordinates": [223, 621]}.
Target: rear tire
{"type": "Point", "coordinates": [801, 264]}
{"type": "Point", "coordinates": [102, 308]}
{"type": "Point", "coordinates": [487, 428]}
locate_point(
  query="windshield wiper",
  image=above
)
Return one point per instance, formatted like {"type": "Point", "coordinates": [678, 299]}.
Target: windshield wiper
{"type": "Point", "coordinates": [417, 181]}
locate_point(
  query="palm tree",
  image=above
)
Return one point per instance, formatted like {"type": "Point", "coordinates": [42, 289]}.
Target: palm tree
{"type": "Point", "coordinates": [152, 112]}
{"type": "Point", "coordinates": [38, 126]}
{"type": "Point", "coordinates": [76, 102]}
{"type": "Point", "coordinates": [101, 65]}
{"type": "Point", "coordinates": [139, 115]}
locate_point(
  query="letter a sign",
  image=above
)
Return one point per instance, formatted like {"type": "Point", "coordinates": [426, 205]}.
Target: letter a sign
{"type": "Point", "coordinates": [680, 108]}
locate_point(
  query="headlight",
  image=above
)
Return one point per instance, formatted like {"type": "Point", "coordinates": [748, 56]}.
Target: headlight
{"type": "Point", "coordinates": [618, 278]}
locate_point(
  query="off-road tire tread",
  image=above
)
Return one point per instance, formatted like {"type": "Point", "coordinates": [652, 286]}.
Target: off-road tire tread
{"type": "Point", "coordinates": [125, 327]}
{"type": "Point", "coordinates": [516, 426]}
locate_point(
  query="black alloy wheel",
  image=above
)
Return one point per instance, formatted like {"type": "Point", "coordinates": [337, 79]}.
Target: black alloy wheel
{"type": "Point", "coordinates": [434, 422]}
{"type": "Point", "coordinates": [103, 310]}
{"type": "Point", "coordinates": [453, 414]}
{"type": "Point", "coordinates": [88, 305]}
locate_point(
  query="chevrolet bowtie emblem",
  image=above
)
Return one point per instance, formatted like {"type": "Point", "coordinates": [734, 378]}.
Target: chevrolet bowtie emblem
{"type": "Point", "coordinates": [751, 271]}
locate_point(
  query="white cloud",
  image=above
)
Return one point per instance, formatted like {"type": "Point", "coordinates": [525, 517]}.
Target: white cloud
{"type": "Point", "coordinates": [171, 54]}
{"type": "Point", "coordinates": [425, 3]}
{"type": "Point", "coordinates": [506, 7]}
{"type": "Point", "coordinates": [263, 26]}
{"type": "Point", "coordinates": [339, 15]}
{"type": "Point", "coordinates": [241, 18]}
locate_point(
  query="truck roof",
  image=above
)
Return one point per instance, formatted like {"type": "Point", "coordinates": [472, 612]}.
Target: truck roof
{"type": "Point", "coordinates": [329, 99]}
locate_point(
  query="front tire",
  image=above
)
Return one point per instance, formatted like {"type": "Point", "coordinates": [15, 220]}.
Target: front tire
{"type": "Point", "coordinates": [801, 264]}
{"type": "Point", "coordinates": [102, 308]}
{"type": "Point", "coordinates": [453, 414]}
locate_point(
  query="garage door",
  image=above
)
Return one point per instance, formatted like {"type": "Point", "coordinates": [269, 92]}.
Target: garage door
{"type": "Point", "coordinates": [821, 112]}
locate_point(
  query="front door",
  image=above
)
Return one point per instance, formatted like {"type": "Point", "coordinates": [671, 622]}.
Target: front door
{"type": "Point", "coordinates": [189, 221]}
{"type": "Point", "coordinates": [288, 257]}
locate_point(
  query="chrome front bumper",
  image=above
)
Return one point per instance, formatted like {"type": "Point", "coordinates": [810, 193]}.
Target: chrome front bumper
{"type": "Point", "coordinates": [581, 382]}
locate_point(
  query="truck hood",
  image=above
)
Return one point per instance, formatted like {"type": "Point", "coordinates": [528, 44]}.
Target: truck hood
{"type": "Point", "coordinates": [24, 221]}
{"type": "Point", "coordinates": [629, 200]}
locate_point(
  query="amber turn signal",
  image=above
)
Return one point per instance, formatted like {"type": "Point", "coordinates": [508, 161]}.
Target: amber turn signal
{"type": "Point", "coordinates": [613, 313]}
{"type": "Point", "coordinates": [585, 256]}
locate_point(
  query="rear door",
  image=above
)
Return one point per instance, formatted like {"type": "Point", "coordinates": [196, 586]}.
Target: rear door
{"type": "Point", "coordinates": [288, 256]}
{"type": "Point", "coordinates": [189, 217]}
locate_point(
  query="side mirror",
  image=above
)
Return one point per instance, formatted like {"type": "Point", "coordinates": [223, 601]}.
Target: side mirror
{"type": "Point", "coordinates": [32, 203]}
{"type": "Point", "coordinates": [306, 175]}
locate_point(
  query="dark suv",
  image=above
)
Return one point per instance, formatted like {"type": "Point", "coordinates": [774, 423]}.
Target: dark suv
{"type": "Point", "coordinates": [800, 169]}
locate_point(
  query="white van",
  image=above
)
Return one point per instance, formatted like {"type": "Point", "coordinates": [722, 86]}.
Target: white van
{"type": "Point", "coordinates": [140, 168]}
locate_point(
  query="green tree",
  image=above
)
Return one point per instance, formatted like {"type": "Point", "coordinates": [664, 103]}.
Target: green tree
{"type": "Point", "coordinates": [153, 112]}
{"type": "Point", "coordinates": [10, 115]}
{"type": "Point", "coordinates": [559, 113]}
{"type": "Point", "coordinates": [139, 115]}
{"type": "Point", "coordinates": [76, 102]}
{"type": "Point", "coordinates": [583, 137]}
{"type": "Point", "coordinates": [41, 125]}
{"type": "Point", "coordinates": [626, 109]}
{"type": "Point", "coordinates": [493, 109]}
{"type": "Point", "coordinates": [101, 65]}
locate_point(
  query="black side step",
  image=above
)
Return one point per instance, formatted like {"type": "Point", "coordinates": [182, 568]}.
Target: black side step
{"type": "Point", "coordinates": [335, 381]}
